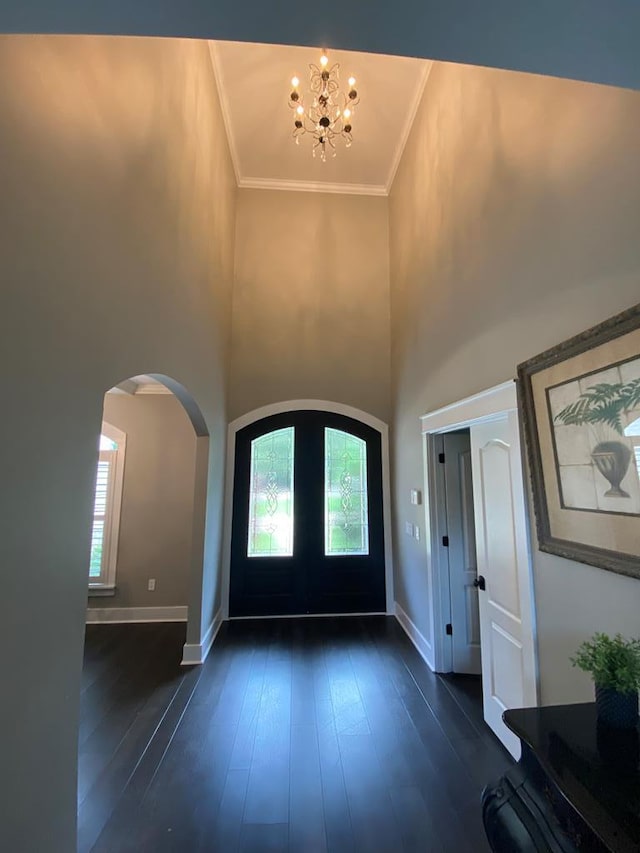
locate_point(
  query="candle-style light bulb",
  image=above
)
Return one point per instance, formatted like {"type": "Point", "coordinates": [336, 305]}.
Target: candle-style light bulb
{"type": "Point", "coordinates": [324, 59]}
{"type": "Point", "coordinates": [352, 81]}
{"type": "Point", "coordinates": [295, 82]}
{"type": "Point", "coordinates": [300, 110]}
{"type": "Point", "coordinates": [346, 113]}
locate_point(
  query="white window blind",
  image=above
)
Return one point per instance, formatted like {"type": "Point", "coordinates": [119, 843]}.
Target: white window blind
{"type": "Point", "coordinates": [106, 508]}
{"type": "Point", "coordinates": [101, 506]}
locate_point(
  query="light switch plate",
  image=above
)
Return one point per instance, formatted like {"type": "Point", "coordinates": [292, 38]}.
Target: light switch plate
{"type": "Point", "coordinates": [416, 533]}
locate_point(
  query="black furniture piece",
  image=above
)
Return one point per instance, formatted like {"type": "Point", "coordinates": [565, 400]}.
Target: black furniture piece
{"type": "Point", "coordinates": [575, 788]}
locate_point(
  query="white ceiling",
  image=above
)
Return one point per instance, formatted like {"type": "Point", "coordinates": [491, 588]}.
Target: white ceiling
{"type": "Point", "coordinates": [254, 81]}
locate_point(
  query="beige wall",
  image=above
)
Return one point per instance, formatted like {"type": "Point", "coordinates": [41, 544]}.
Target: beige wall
{"type": "Point", "coordinates": [311, 301]}
{"type": "Point", "coordinates": [156, 516]}
{"type": "Point", "coordinates": [514, 224]}
{"type": "Point", "coordinates": [116, 239]}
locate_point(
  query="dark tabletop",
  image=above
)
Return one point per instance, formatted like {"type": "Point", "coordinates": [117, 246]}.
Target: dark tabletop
{"type": "Point", "coordinates": [595, 769]}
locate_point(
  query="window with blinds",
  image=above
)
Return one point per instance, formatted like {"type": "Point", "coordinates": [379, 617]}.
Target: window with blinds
{"type": "Point", "coordinates": [105, 513]}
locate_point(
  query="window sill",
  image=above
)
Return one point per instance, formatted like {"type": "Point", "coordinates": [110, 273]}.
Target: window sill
{"type": "Point", "coordinates": [101, 591]}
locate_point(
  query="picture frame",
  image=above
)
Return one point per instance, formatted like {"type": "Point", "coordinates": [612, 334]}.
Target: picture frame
{"type": "Point", "coordinates": [580, 412]}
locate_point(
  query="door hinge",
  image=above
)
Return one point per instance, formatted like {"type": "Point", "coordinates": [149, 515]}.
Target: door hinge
{"type": "Point", "coordinates": [449, 628]}
{"type": "Point", "coordinates": [445, 541]}
{"type": "Point", "coordinates": [441, 458]}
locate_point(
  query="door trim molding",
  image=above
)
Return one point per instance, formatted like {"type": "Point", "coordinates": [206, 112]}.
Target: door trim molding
{"type": "Point", "coordinates": [318, 406]}
{"type": "Point", "coordinates": [485, 405]}
{"type": "Point", "coordinates": [491, 404]}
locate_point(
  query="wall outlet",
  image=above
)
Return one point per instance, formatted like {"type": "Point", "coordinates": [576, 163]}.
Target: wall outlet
{"type": "Point", "coordinates": [408, 528]}
{"type": "Point", "coordinates": [416, 497]}
{"type": "Point", "coordinates": [151, 585]}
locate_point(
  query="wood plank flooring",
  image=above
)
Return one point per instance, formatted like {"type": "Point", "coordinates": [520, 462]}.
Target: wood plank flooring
{"type": "Point", "coordinates": [295, 735]}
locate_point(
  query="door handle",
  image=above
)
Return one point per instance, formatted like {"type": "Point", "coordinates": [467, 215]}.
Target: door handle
{"type": "Point", "coordinates": [480, 582]}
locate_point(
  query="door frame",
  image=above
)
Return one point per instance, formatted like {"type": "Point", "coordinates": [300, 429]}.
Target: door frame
{"type": "Point", "coordinates": [296, 406]}
{"type": "Point", "coordinates": [491, 404]}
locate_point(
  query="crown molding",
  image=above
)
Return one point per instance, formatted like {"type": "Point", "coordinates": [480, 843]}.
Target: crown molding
{"type": "Point", "coordinates": [131, 388]}
{"type": "Point", "coordinates": [151, 388]}
{"type": "Point", "coordinates": [406, 130]}
{"type": "Point", "coordinates": [311, 186]}
{"type": "Point", "coordinates": [128, 387]}
{"type": "Point", "coordinates": [224, 107]}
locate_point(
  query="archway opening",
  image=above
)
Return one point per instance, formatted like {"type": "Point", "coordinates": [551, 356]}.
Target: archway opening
{"type": "Point", "coordinates": [145, 578]}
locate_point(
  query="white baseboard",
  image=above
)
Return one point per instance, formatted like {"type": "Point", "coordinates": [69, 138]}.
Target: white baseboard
{"type": "Point", "coordinates": [98, 615]}
{"type": "Point", "coordinates": [416, 636]}
{"type": "Point", "coordinates": [194, 653]}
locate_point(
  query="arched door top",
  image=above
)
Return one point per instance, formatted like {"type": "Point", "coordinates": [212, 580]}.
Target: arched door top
{"type": "Point", "coordinates": [308, 405]}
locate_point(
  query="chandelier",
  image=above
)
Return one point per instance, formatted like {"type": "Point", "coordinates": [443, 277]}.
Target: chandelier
{"type": "Point", "coordinates": [329, 117]}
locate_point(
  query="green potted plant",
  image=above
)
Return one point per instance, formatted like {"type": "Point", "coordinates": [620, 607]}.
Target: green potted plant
{"type": "Point", "coordinates": [614, 664]}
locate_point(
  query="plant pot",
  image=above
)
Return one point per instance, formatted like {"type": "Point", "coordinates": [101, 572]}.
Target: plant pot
{"type": "Point", "coordinates": [612, 459]}
{"type": "Point", "coordinates": [616, 710]}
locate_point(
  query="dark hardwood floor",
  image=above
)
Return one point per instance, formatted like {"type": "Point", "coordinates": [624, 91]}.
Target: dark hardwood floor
{"type": "Point", "coordinates": [296, 735]}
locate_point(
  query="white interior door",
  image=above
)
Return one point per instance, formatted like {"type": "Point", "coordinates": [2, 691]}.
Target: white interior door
{"type": "Point", "coordinates": [465, 618]}
{"type": "Point", "coordinates": [508, 657]}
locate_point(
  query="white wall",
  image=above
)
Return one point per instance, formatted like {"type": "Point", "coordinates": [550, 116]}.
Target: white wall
{"type": "Point", "coordinates": [116, 238]}
{"type": "Point", "coordinates": [513, 225]}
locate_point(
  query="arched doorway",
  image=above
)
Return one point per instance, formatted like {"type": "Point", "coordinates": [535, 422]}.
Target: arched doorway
{"type": "Point", "coordinates": [172, 479]}
{"type": "Point", "coordinates": [307, 532]}
{"type": "Point", "coordinates": [146, 565]}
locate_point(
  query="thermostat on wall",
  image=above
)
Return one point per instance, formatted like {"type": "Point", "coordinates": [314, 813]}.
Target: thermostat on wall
{"type": "Point", "coordinates": [416, 496]}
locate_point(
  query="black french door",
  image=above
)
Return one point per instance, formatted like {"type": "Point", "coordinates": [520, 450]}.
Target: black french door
{"type": "Point", "coordinates": [307, 529]}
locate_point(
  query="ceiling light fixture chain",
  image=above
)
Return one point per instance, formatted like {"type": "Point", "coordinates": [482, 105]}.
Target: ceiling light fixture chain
{"type": "Point", "coordinates": [330, 115]}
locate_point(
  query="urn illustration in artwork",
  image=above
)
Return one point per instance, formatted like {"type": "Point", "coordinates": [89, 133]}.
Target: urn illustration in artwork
{"type": "Point", "coordinates": [605, 407]}
{"type": "Point", "coordinates": [612, 459]}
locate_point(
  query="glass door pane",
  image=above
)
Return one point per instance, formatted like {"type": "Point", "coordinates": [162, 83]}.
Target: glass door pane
{"type": "Point", "coordinates": [346, 516]}
{"type": "Point", "coordinates": [271, 495]}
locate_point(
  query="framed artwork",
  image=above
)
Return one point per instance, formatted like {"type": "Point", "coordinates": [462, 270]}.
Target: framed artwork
{"type": "Point", "coordinates": [580, 407]}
